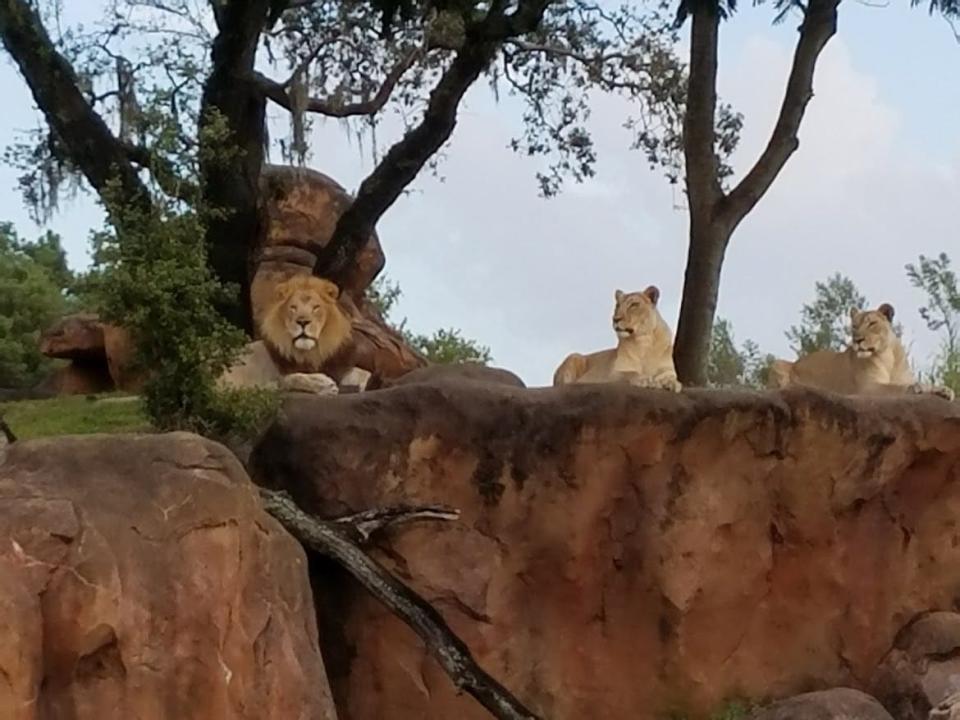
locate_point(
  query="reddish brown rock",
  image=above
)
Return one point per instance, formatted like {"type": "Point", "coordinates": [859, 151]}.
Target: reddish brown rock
{"type": "Point", "coordinates": [121, 359]}
{"type": "Point", "coordinates": [78, 336]}
{"type": "Point", "coordinates": [837, 704]}
{"type": "Point", "coordinates": [139, 578]}
{"type": "Point", "coordinates": [459, 373]}
{"type": "Point", "coordinates": [625, 553]}
{"type": "Point", "coordinates": [301, 210]}
{"type": "Point", "coordinates": [923, 668]}
{"type": "Point", "coordinates": [79, 378]}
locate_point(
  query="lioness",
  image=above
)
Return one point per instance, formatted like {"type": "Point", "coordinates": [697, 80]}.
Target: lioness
{"type": "Point", "coordinates": [875, 363]}
{"type": "Point", "coordinates": [644, 352]}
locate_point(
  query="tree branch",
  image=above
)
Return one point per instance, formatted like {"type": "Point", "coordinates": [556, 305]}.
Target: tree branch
{"type": "Point", "coordinates": [277, 92]}
{"type": "Point", "coordinates": [819, 25]}
{"type": "Point", "coordinates": [405, 159]}
{"type": "Point", "coordinates": [366, 524]}
{"type": "Point", "coordinates": [55, 88]}
{"type": "Point", "coordinates": [330, 539]}
{"type": "Point", "coordinates": [163, 171]}
{"type": "Point", "coordinates": [8, 434]}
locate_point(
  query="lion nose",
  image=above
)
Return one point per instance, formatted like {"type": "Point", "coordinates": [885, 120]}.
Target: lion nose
{"type": "Point", "coordinates": [303, 323]}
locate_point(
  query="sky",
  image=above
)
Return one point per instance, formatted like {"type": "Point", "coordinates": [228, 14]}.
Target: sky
{"type": "Point", "coordinates": [875, 183]}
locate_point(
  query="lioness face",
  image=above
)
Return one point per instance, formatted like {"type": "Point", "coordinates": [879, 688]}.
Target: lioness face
{"type": "Point", "coordinates": [305, 312]}
{"type": "Point", "coordinates": [872, 331]}
{"type": "Point", "coordinates": [635, 313]}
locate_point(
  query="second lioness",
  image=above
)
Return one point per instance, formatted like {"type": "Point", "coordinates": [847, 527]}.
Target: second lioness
{"type": "Point", "coordinates": [875, 363]}
{"type": "Point", "coordinates": [644, 352]}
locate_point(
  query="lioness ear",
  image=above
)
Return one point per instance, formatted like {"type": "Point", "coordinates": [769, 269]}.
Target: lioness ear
{"type": "Point", "coordinates": [618, 295]}
{"type": "Point", "coordinates": [887, 311]}
{"type": "Point", "coordinates": [653, 292]}
{"type": "Point", "coordinates": [854, 314]}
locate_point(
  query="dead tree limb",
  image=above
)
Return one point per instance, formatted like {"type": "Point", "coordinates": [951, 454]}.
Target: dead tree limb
{"type": "Point", "coordinates": [365, 524]}
{"type": "Point", "coordinates": [7, 432]}
{"type": "Point", "coordinates": [332, 539]}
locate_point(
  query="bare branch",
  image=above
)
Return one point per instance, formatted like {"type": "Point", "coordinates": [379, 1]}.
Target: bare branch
{"type": "Point", "coordinates": [277, 92]}
{"type": "Point", "coordinates": [819, 25]}
{"type": "Point", "coordinates": [368, 523]}
{"type": "Point", "coordinates": [330, 539]}
{"type": "Point", "coordinates": [8, 434]}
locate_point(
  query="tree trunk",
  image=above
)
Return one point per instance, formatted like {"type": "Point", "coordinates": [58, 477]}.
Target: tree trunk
{"type": "Point", "coordinates": [708, 241]}
{"type": "Point", "coordinates": [701, 288]}
{"type": "Point", "coordinates": [234, 104]}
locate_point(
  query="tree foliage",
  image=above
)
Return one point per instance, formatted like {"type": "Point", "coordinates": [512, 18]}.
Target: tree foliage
{"type": "Point", "coordinates": [825, 322]}
{"type": "Point", "coordinates": [444, 346]}
{"type": "Point", "coordinates": [936, 277]}
{"type": "Point", "coordinates": [34, 282]}
{"type": "Point", "coordinates": [730, 366]}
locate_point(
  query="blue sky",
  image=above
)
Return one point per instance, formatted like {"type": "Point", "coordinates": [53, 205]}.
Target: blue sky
{"type": "Point", "coordinates": [876, 182]}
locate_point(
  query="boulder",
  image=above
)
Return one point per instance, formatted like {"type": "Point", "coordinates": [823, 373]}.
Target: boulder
{"type": "Point", "coordinates": [923, 668]}
{"type": "Point", "coordinates": [255, 368]}
{"type": "Point", "coordinates": [139, 578]}
{"type": "Point", "coordinates": [77, 336]}
{"type": "Point", "coordinates": [301, 210]}
{"type": "Point", "coordinates": [836, 704]}
{"type": "Point", "coordinates": [626, 553]}
{"type": "Point", "coordinates": [309, 383]}
{"type": "Point", "coordinates": [459, 372]}
{"type": "Point", "coordinates": [78, 377]}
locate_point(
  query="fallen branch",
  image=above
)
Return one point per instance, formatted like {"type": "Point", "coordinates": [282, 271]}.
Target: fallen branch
{"type": "Point", "coordinates": [365, 524]}
{"type": "Point", "coordinates": [7, 432]}
{"type": "Point", "coordinates": [332, 538]}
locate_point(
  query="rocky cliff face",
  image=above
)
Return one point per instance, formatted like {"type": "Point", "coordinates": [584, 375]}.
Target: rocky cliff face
{"type": "Point", "coordinates": [624, 553]}
{"type": "Point", "coordinates": [139, 578]}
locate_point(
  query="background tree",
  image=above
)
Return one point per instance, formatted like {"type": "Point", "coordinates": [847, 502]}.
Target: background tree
{"type": "Point", "coordinates": [937, 279]}
{"type": "Point", "coordinates": [33, 285]}
{"type": "Point", "coordinates": [730, 366]}
{"type": "Point", "coordinates": [825, 322]}
{"type": "Point", "coordinates": [442, 346]}
{"type": "Point", "coordinates": [714, 211]}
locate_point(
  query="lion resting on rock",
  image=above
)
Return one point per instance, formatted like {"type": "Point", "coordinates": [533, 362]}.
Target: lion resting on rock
{"type": "Point", "coordinates": [304, 331]}
{"type": "Point", "coordinates": [875, 363]}
{"type": "Point", "coordinates": [644, 352]}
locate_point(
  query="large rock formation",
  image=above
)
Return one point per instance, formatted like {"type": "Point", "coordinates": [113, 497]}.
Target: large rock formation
{"type": "Point", "coordinates": [139, 578]}
{"type": "Point", "coordinates": [301, 208]}
{"type": "Point", "coordinates": [100, 356]}
{"type": "Point", "coordinates": [625, 553]}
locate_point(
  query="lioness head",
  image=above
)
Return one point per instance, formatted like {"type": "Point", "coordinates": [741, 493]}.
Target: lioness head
{"type": "Point", "coordinates": [305, 323]}
{"type": "Point", "coordinates": [635, 313]}
{"type": "Point", "coordinates": [872, 330]}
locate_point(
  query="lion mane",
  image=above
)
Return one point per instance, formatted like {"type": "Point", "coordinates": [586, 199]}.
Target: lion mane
{"type": "Point", "coordinates": [304, 323]}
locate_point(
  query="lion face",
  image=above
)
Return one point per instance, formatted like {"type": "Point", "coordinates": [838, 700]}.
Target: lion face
{"type": "Point", "coordinates": [305, 322]}
{"type": "Point", "coordinates": [635, 313]}
{"type": "Point", "coordinates": [872, 330]}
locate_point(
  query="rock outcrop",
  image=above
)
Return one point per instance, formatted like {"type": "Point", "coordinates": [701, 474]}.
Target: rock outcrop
{"type": "Point", "coordinates": [100, 356]}
{"type": "Point", "coordinates": [923, 668]}
{"type": "Point", "coordinates": [139, 578]}
{"type": "Point", "coordinates": [834, 704]}
{"type": "Point", "coordinates": [627, 553]}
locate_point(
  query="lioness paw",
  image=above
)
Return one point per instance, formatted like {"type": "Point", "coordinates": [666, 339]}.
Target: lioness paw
{"type": "Point", "coordinates": [938, 390]}
{"type": "Point", "coordinates": [670, 383]}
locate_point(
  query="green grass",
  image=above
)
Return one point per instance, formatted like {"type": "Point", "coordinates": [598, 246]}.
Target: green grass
{"type": "Point", "coordinates": [75, 415]}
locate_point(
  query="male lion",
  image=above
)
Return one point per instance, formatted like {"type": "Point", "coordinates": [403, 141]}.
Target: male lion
{"type": "Point", "coordinates": [644, 352]}
{"type": "Point", "coordinates": [304, 331]}
{"type": "Point", "coordinates": [305, 324]}
{"type": "Point", "coordinates": [875, 363]}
